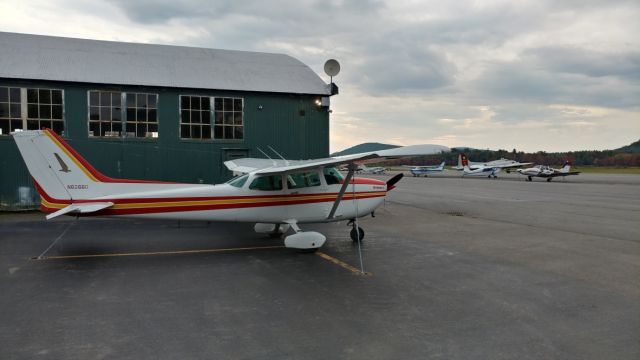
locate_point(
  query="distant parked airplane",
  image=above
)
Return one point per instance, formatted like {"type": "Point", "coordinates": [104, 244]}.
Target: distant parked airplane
{"type": "Point", "coordinates": [480, 170]}
{"type": "Point", "coordinates": [362, 169]}
{"type": "Point", "coordinates": [501, 163]}
{"type": "Point", "coordinates": [547, 172]}
{"type": "Point", "coordinates": [418, 170]}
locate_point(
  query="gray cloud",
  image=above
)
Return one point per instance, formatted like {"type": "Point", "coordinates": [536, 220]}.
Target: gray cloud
{"type": "Point", "coordinates": [561, 76]}
{"type": "Point", "coordinates": [574, 60]}
{"type": "Point", "coordinates": [416, 63]}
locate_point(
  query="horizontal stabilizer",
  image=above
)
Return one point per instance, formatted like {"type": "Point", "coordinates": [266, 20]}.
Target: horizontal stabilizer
{"type": "Point", "coordinates": [80, 208]}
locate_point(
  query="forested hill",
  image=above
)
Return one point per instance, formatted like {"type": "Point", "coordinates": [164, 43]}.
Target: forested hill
{"type": "Point", "coordinates": [633, 148]}
{"type": "Point", "coordinates": [625, 156]}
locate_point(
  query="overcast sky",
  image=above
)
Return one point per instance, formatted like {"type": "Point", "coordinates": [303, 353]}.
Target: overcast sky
{"type": "Point", "coordinates": [531, 75]}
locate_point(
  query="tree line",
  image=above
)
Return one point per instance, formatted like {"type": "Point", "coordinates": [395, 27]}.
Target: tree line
{"type": "Point", "coordinates": [622, 157]}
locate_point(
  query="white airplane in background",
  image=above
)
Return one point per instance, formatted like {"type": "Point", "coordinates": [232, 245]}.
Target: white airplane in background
{"type": "Point", "coordinates": [547, 172]}
{"type": "Point", "coordinates": [418, 170]}
{"type": "Point", "coordinates": [274, 194]}
{"type": "Point", "coordinates": [362, 169]}
{"type": "Point", "coordinates": [480, 170]}
{"type": "Point", "coordinates": [501, 163]}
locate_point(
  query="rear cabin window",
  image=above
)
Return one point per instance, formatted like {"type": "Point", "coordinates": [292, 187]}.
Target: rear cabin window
{"type": "Point", "coordinates": [302, 180]}
{"type": "Point", "coordinates": [267, 183]}
{"type": "Point", "coordinates": [332, 175]}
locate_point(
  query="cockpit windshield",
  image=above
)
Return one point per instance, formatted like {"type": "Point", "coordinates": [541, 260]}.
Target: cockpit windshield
{"type": "Point", "coordinates": [332, 175]}
{"type": "Point", "coordinates": [238, 181]}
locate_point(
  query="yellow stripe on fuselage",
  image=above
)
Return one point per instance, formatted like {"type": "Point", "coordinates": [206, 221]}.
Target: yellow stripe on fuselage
{"type": "Point", "coordinates": [178, 204]}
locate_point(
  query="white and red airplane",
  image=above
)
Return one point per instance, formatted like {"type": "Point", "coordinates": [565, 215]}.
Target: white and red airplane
{"type": "Point", "coordinates": [501, 163]}
{"type": "Point", "coordinates": [274, 194]}
{"type": "Point", "coordinates": [480, 170]}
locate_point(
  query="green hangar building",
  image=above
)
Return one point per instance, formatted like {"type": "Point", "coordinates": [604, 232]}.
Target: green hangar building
{"type": "Point", "coordinates": [155, 112]}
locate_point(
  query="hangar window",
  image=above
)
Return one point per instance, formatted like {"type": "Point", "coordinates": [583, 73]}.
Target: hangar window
{"type": "Point", "coordinates": [10, 111]}
{"type": "Point", "coordinates": [142, 115]}
{"type": "Point", "coordinates": [44, 109]}
{"type": "Point", "coordinates": [195, 117]}
{"type": "Point", "coordinates": [229, 119]}
{"type": "Point", "coordinates": [136, 118]}
{"type": "Point", "coordinates": [267, 183]}
{"type": "Point", "coordinates": [105, 114]}
{"type": "Point", "coordinates": [30, 109]}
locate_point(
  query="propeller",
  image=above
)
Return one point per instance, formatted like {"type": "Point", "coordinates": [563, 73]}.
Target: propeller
{"type": "Point", "coordinates": [393, 181]}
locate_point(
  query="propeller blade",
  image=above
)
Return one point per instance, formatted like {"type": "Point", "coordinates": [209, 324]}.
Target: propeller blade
{"type": "Point", "coordinates": [393, 181]}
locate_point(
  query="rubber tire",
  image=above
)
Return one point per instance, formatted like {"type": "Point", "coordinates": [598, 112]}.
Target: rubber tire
{"type": "Point", "coordinates": [354, 235]}
{"type": "Point", "coordinates": [308, 251]}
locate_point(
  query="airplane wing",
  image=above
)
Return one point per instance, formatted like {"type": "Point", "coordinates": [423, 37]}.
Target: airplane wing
{"type": "Point", "coordinates": [272, 166]}
{"type": "Point", "coordinates": [509, 166]}
{"type": "Point", "coordinates": [421, 167]}
{"type": "Point", "coordinates": [559, 173]}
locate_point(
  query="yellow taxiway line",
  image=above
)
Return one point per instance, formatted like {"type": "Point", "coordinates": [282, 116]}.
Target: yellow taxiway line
{"type": "Point", "coordinates": [324, 256]}
{"type": "Point", "coordinates": [342, 264]}
{"type": "Point", "coordinates": [176, 252]}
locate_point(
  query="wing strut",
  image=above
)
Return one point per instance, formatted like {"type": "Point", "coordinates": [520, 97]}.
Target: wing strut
{"type": "Point", "coordinates": [343, 189]}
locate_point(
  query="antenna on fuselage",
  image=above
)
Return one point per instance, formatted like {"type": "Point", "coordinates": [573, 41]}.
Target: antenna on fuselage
{"type": "Point", "coordinates": [277, 153]}
{"type": "Point", "coordinates": [268, 157]}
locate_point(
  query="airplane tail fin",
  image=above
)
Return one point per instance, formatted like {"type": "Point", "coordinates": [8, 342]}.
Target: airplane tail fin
{"type": "Point", "coordinates": [441, 167]}
{"type": "Point", "coordinates": [59, 172]}
{"type": "Point", "coordinates": [462, 160]}
{"type": "Point", "coordinates": [566, 167]}
{"type": "Point", "coordinates": [460, 166]}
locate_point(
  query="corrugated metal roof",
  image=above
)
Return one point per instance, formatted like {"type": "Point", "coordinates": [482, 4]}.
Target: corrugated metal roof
{"type": "Point", "coordinates": [78, 60]}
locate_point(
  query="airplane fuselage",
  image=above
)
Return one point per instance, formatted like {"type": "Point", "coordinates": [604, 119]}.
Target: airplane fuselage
{"type": "Point", "coordinates": [227, 203]}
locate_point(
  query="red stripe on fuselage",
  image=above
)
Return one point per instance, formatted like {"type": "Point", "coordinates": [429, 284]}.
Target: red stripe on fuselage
{"type": "Point", "coordinates": [365, 181]}
{"type": "Point", "coordinates": [178, 208]}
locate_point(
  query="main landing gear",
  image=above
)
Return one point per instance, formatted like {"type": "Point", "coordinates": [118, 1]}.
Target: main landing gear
{"type": "Point", "coordinates": [355, 234]}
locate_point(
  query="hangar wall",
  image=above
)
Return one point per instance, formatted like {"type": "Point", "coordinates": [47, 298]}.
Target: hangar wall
{"type": "Point", "coordinates": [291, 123]}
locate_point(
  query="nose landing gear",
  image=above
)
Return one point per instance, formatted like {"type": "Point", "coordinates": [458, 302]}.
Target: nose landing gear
{"type": "Point", "coordinates": [357, 233]}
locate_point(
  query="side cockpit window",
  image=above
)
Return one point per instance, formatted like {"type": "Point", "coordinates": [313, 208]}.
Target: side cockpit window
{"type": "Point", "coordinates": [332, 175]}
{"type": "Point", "coordinates": [302, 180]}
{"type": "Point", "coordinates": [267, 183]}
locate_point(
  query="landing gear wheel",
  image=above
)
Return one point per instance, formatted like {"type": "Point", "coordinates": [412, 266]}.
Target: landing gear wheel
{"type": "Point", "coordinates": [354, 234]}
{"type": "Point", "coordinates": [308, 251]}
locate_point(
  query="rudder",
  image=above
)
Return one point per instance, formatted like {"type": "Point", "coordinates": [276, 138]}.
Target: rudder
{"type": "Point", "coordinates": [55, 168]}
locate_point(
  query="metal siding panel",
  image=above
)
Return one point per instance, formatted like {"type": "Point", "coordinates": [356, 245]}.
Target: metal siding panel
{"type": "Point", "coordinates": [17, 191]}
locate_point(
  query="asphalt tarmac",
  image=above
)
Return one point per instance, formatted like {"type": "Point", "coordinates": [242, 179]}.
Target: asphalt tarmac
{"type": "Point", "coordinates": [456, 268]}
